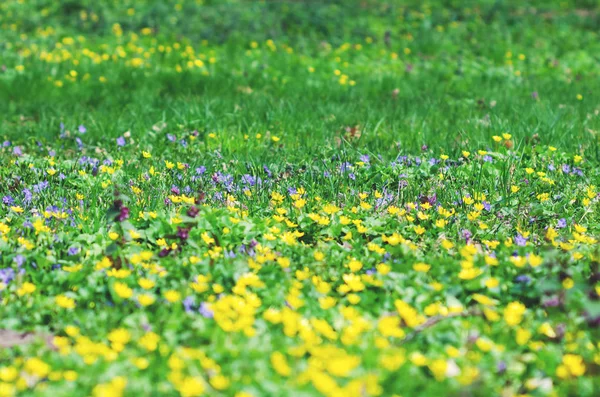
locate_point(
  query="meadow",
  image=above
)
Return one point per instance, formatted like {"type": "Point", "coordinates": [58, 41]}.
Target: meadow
{"type": "Point", "coordinates": [295, 198]}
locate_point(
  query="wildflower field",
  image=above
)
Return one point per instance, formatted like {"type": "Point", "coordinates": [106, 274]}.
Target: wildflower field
{"type": "Point", "coordinates": [291, 198]}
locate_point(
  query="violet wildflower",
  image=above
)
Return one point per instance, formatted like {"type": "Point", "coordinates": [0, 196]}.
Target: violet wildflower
{"type": "Point", "coordinates": [520, 240]}
{"type": "Point", "coordinates": [183, 233]}
{"type": "Point", "coordinates": [188, 304]}
{"type": "Point", "coordinates": [205, 310]}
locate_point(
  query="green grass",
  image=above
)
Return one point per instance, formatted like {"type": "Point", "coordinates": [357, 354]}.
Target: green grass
{"type": "Point", "coordinates": [290, 198]}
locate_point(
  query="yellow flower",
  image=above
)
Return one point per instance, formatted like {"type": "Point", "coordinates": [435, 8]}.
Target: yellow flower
{"type": "Point", "coordinates": [191, 387]}
{"type": "Point", "coordinates": [146, 299]}
{"type": "Point", "coordinates": [146, 155]}
{"type": "Point", "coordinates": [419, 229]}
{"type": "Point", "coordinates": [280, 365]}
{"type": "Point", "coordinates": [492, 282]}
{"type": "Point", "coordinates": [65, 302]}
{"type": "Point", "coordinates": [8, 374]}
{"type": "Point", "coordinates": [535, 260]}
{"type": "Point", "coordinates": [26, 289]}
{"type": "Point", "coordinates": [172, 296]}
{"type": "Point", "coordinates": [146, 283]}
{"type": "Point", "coordinates": [470, 273]}
{"type": "Point", "coordinates": [123, 291]}
{"type": "Point", "coordinates": [219, 382]}
{"type": "Point", "coordinates": [574, 364]}
{"type": "Point", "coordinates": [513, 313]}
{"type": "Point", "coordinates": [149, 341]}
{"type": "Point", "coordinates": [568, 283]}
{"type": "Point", "coordinates": [546, 329]}
{"type": "Point", "coordinates": [418, 359]}
{"type": "Point", "coordinates": [37, 367]}
{"type": "Point", "coordinates": [17, 209]}
{"type": "Point", "coordinates": [484, 300]}
{"type": "Point", "coordinates": [421, 267]}
{"type": "Point", "coordinates": [120, 336]}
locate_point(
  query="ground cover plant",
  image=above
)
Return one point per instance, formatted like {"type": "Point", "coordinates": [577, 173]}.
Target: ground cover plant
{"type": "Point", "coordinates": [289, 198]}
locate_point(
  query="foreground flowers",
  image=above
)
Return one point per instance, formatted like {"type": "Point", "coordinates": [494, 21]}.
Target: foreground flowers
{"type": "Point", "coordinates": [225, 290]}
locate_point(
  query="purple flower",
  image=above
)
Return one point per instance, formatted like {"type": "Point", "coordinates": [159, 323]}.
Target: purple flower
{"type": "Point", "coordinates": [205, 310]}
{"type": "Point", "coordinates": [520, 240]}
{"type": "Point", "coordinates": [523, 279]}
{"type": "Point", "coordinates": [121, 141]}
{"type": "Point", "coordinates": [291, 190]}
{"type": "Point", "coordinates": [123, 214]}
{"type": "Point", "coordinates": [7, 275]}
{"type": "Point", "coordinates": [183, 232]}
{"type": "Point", "coordinates": [249, 180]}
{"type": "Point", "coordinates": [171, 137]}
{"type": "Point", "coordinates": [562, 222]}
{"type": "Point", "coordinates": [188, 304]}
{"type": "Point", "coordinates": [486, 205]}
{"type": "Point", "coordinates": [501, 367]}
{"type": "Point", "coordinates": [326, 174]}
{"type": "Point", "coordinates": [17, 151]}
{"type": "Point", "coordinates": [352, 176]}
{"type": "Point", "coordinates": [345, 167]}
{"type": "Point", "coordinates": [193, 212]}
{"type": "Point", "coordinates": [487, 158]}
{"type": "Point", "coordinates": [365, 158]}
{"type": "Point", "coordinates": [8, 200]}
{"type": "Point", "coordinates": [466, 234]}
{"type": "Point", "coordinates": [201, 170]}
{"type": "Point", "coordinates": [27, 195]}
{"type": "Point", "coordinates": [40, 186]}
{"type": "Point", "coordinates": [6, 144]}
{"type": "Point", "coordinates": [535, 95]}
{"type": "Point", "coordinates": [19, 260]}
{"type": "Point", "coordinates": [73, 251]}
{"type": "Point", "coordinates": [82, 129]}
{"type": "Point", "coordinates": [268, 171]}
